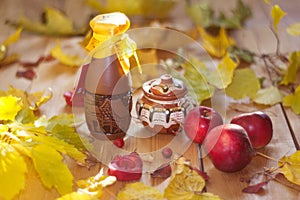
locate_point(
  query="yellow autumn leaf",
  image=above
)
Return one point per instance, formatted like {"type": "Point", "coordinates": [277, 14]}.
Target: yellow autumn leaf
{"type": "Point", "coordinates": [7, 59]}
{"type": "Point", "coordinates": [66, 59]}
{"type": "Point", "coordinates": [36, 99]}
{"type": "Point", "coordinates": [13, 37]}
{"type": "Point", "coordinates": [292, 69]}
{"type": "Point", "coordinates": [50, 166]}
{"type": "Point", "coordinates": [157, 8]}
{"type": "Point", "coordinates": [61, 146]}
{"type": "Point", "coordinates": [268, 96]}
{"type": "Point", "coordinates": [205, 196]}
{"type": "Point", "coordinates": [56, 23]}
{"type": "Point", "coordinates": [215, 45]}
{"type": "Point", "coordinates": [77, 196]}
{"type": "Point", "coordinates": [222, 76]}
{"type": "Point", "coordinates": [185, 184]}
{"type": "Point", "coordinates": [277, 15]}
{"type": "Point", "coordinates": [290, 167]}
{"type": "Point", "coordinates": [244, 84]}
{"type": "Point", "coordinates": [293, 29]}
{"type": "Point", "coordinates": [293, 100]}
{"type": "Point", "coordinates": [12, 171]}
{"type": "Point", "coordinates": [139, 190]}
{"type": "Point", "coordinates": [9, 107]}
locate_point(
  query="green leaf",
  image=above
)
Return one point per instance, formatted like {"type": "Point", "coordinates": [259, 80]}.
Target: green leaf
{"type": "Point", "coordinates": [12, 171]}
{"type": "Point", "coordinates": [294, 29]}
{"type": "Point", "coordinates": [244, 84]}
{"type": "Point", "coordinates": [290, 167]}
{"type": "Point", "coordinates": [277, 15]}
{"type": "Point", "coordinates": [62, 119]}
{"type": "Point", "coordinates": [291, 73]}
{"type": "Point", "coordinates": [196, 74]}
{"type": "Point", "coordinates": [53, 172]}
{"type": "Point", "coordinates": [293, 100]}
{"type": "Point", "coordinates": [268, 96]}
{"type": "Point", "coordinates": [201, 13]}
{"type": "Point", "coordinates": [242, 54]}
{"type": "Point", "coordinates": [69, 135]}
{"type": "Point", "coordinates": [223, 75]}
{"type": "Point", "coordinates": [204, 16]}
{"type": "Point", "coordinates": [56, 24]}
{"type": "Point", "coordinates": [9, 107]}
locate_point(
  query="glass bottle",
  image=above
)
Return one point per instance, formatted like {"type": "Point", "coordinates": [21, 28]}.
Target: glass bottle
{"type": "Point", "coordinates": [108, 94]}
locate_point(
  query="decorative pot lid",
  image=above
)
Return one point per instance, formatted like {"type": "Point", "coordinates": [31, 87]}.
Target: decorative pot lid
{"type": "Point", "coordinates": [165, 88]}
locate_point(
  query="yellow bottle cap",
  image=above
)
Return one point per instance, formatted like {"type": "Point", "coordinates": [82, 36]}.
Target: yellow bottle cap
{"type": "Point", "coordinates": [110, 24]}
{"type": "Point", "coordinates": [110, 27]}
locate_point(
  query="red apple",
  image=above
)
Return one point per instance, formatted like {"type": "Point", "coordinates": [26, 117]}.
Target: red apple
{"type": "Point", "coordinates": [126, 167]}
{"type": "Point", "coordinates": [258, 126]}
{"type": "Point", "coordinates": [229, 147]}
{"type": "Point", "coordinates": [199, 121]}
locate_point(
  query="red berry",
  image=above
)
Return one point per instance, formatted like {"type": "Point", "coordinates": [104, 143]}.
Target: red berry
{"type": "Point", "coordinates": [68, 97]}
{"type": "Point", "coordinates": [119, 142]}
{"type": "Point", "coordinates": [167, 152]}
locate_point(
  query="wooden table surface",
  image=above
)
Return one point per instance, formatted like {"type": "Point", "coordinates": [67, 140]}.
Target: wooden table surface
{"type": "Point", "coordinates": [256, 36]}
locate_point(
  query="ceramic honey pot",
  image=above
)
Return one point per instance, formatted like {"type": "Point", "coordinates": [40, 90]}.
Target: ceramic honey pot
{"type": "Point", "coordinates": [164, 104]}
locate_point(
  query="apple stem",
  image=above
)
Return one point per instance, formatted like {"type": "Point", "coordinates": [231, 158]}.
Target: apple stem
{"type": "Point", "coordinates": [267, 157]}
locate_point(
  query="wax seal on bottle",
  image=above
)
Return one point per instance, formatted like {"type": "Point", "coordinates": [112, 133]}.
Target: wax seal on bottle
{"type": "Point", "coordinates": [164, 104]}
{"type": "Point", "coordinates": [108, 95]}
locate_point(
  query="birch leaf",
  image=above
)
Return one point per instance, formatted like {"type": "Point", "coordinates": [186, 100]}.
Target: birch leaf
{"type": "Point", "coordinates": [293, 101]}
{"type": "Point", "coordinates": [56, 24]}
{"type": "Point", "coordinates": [12, 172]}
{"type": "Point", "coordinates": [66, 59]}
{"type": "Point", "coordinates": [13, 37]}
{"type": "Point", "coordinates": [268, 96]}
{"type": "Point", "coordinates": [277, 15]}
{"type": "Point", "coordinates": [244, 84]}
{"type": "Point", "coordinates": [294, 29]}
{"type": "Point", "coordinates": [196, 74]}
{"type": "Point", "coordinates": [290, 167]}
{"type": "Point", "coordinates": [292, 69]}
{"type": "Point", "coordinates": [223, 75]}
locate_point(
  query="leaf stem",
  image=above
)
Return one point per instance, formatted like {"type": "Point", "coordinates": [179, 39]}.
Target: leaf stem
{"type": "Point", "coordinates": [268, 157]}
